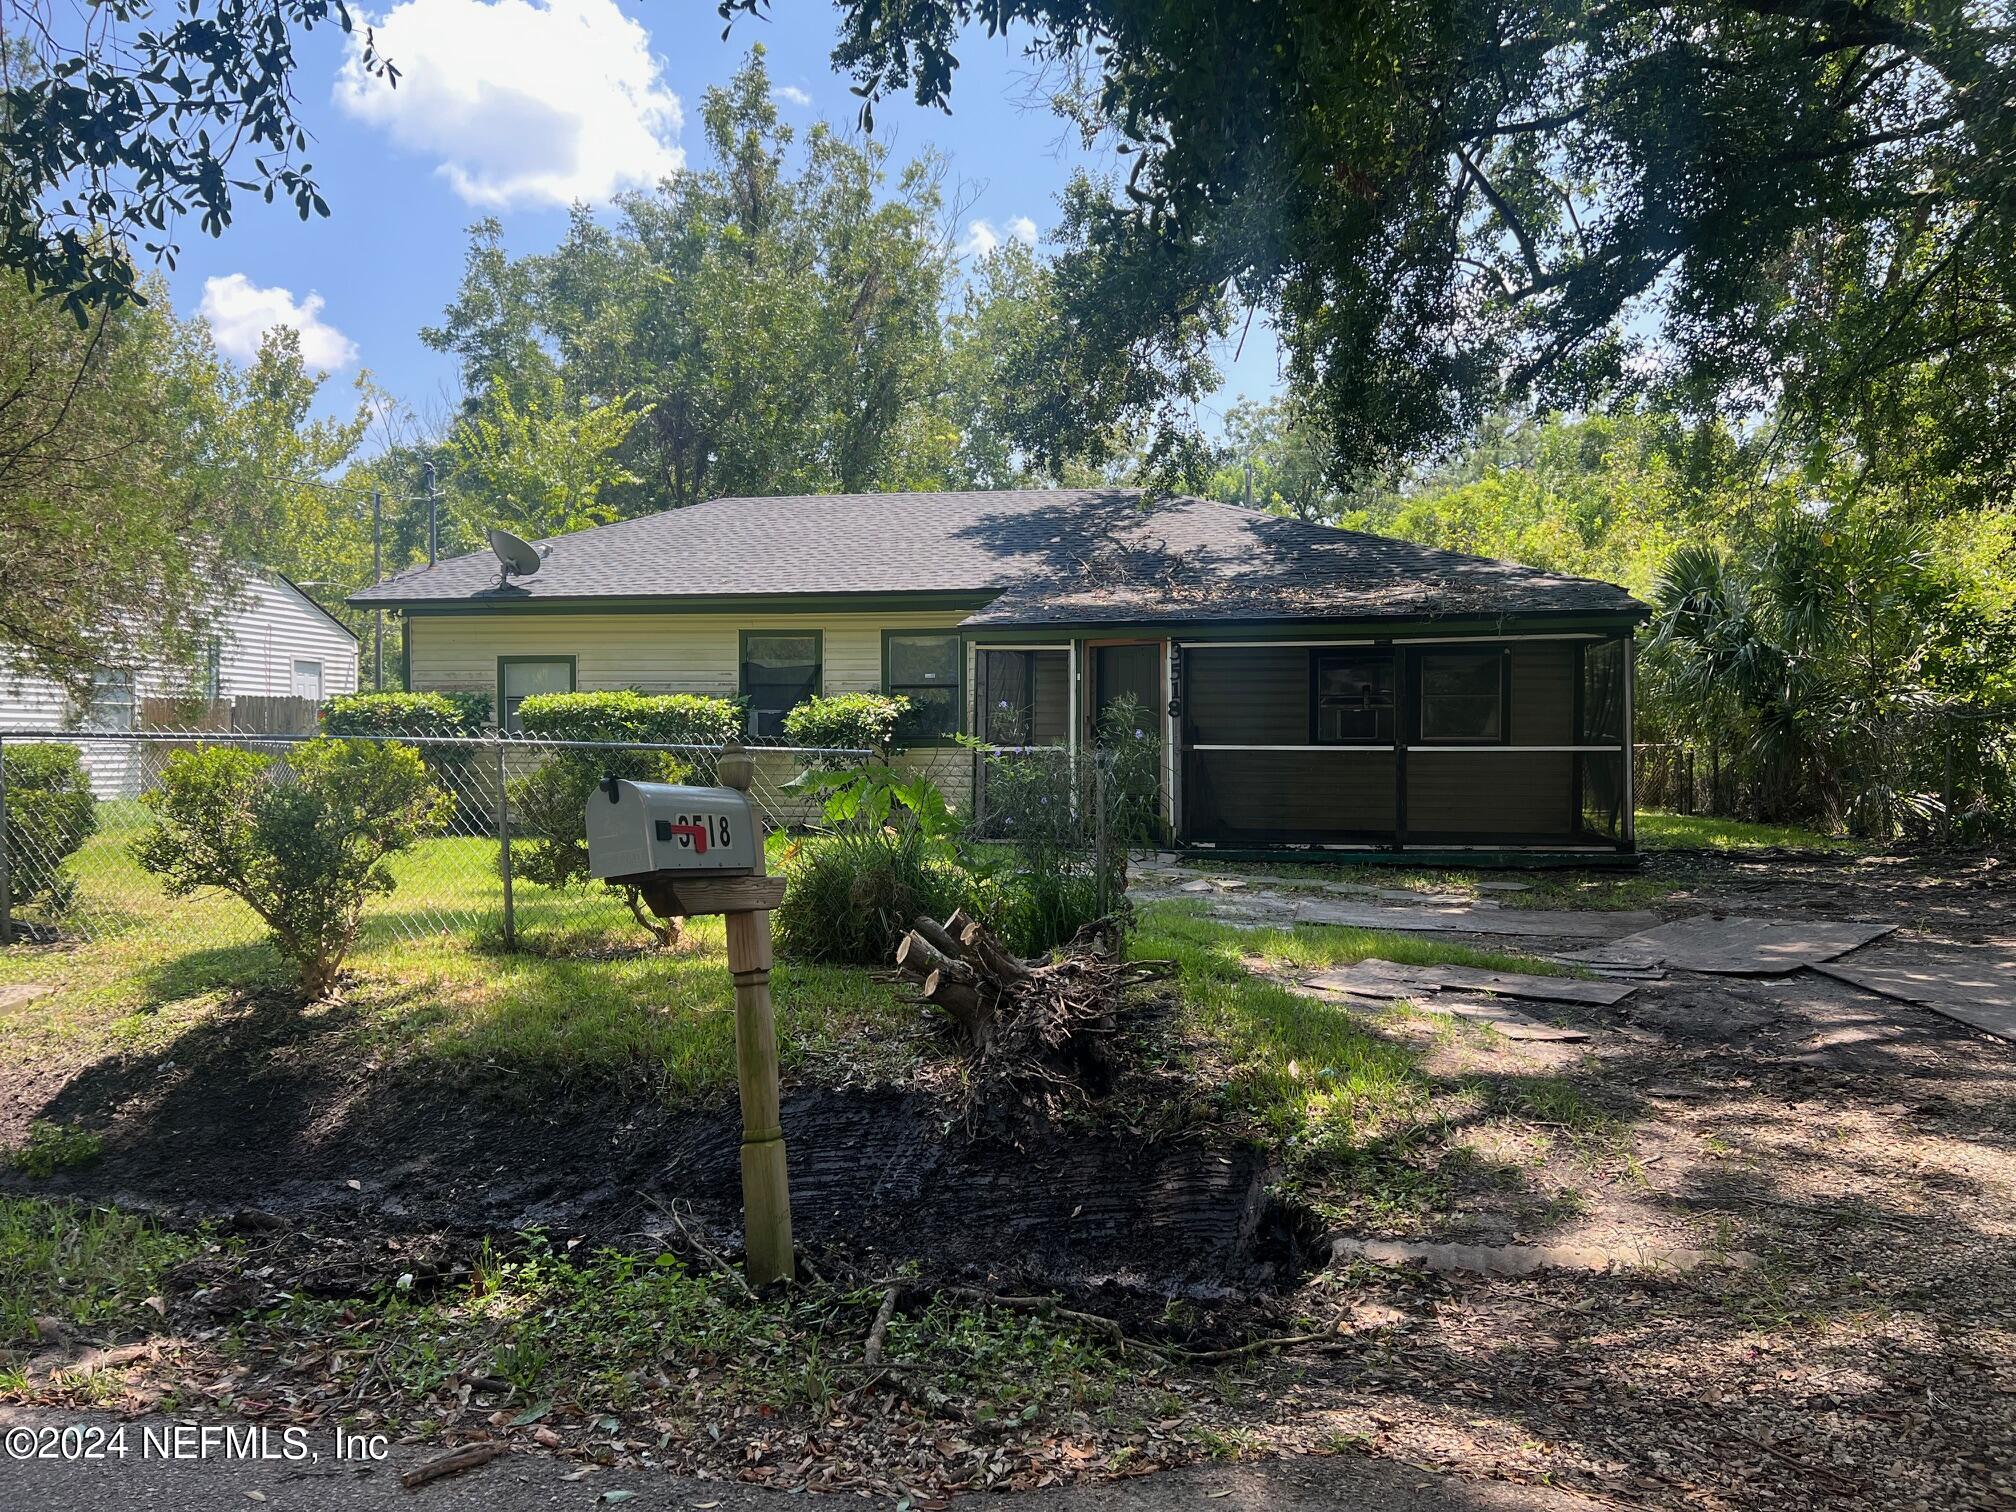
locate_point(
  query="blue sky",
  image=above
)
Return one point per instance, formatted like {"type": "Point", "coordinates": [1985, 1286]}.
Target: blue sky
{"type": "Point", "coordinates": [512, 107]}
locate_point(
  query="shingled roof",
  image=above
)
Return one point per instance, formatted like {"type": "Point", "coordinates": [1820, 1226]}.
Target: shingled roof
{"type": "Point", "coordinates": [1046, 556]}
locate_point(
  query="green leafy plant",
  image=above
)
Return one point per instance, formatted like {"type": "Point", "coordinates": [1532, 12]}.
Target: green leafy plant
{"type": "Point", "coordinates": [551, 805]}
{"type": "Point", "coordinates": [1132, 750]}
{"type": "Point", "coordinates": [627, 715]}
{"type": "Point", "coordinates": [848, 721]}
{"type": "Point", "coordinates": [443, 718]}
{"type": "Point", "coordinates": [1040, 804]}
{"type": "Point", "coordinates": [304, 854]}
{"type": "Point", "coordinates": [884, 854]}
{"type": "Point", "coordinates": [393, 713]}
{"type": "Point", "coordinates": [50, 1147]}
{"type": "Point", "coordinates": [51, 812]}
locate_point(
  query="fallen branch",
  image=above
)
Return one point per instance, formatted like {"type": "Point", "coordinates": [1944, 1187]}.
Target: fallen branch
{"type": "Point", "coordinates": [454, 1462]}
{"type": "Point", "coordinates": [700, 1246]}
{"type": "Point", "coordinates": [872, 1354]}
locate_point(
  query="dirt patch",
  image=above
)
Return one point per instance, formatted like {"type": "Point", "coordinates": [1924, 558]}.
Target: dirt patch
{"type": "Point", "coordinates": [265, 1109]}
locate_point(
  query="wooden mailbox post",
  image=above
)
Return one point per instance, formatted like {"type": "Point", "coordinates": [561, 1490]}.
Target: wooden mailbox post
{"type": "Point", "coordinates": [746, 901]}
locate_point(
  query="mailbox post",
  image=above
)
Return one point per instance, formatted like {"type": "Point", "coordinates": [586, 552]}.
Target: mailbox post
{"type": "Point", "coordinates": [700, 851]}
{"type": "Point", "coordinates": [766, 1185]}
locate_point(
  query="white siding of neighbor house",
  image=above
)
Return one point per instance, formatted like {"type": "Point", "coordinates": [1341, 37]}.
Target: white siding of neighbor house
{"type": "Point", "coordinates": [271, 625]}
{"type": "Point", "coordinates": [274, 626]}
{"type": "Point", "coordinates": [673, 653]}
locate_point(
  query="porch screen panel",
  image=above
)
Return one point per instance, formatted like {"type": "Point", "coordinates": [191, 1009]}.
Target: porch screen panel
{"type": "Point", "coordinates": [1247, 695]}
{"type": "Point", "coordinates": [1025, 697]}
{"type": "Point", "coordinates": [1336, 795]}
{"type": "Point", "coordinates": [1600, 779]}
{"type": "Point", "coordinates": [1476, 797]}
{"type": "Point", "coordinates": [1274, 784]}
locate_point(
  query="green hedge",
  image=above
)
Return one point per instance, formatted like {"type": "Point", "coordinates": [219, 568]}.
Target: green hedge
{"type": "Point", "coordinates": [50, 813]}
{"type": "Point", "coordinates": [850, 721]}
{"type": "Point", "coordinates": [641, 718]}
{"type": "Point", "coordinates": [406, 714]}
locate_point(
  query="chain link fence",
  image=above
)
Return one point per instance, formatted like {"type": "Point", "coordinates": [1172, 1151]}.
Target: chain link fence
{"type": "Point", "coordinates": [506, 866]}
{"type": "Point", "coordinates": [1945, 774]}
{"type": "Point", "coordinates": [67, 846]}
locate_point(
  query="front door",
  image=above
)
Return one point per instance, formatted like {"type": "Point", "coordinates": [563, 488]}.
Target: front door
{"type": "Point", "coordinates": [1130, 671]}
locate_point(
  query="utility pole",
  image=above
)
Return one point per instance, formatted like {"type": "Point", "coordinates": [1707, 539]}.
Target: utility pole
{"type": "Point", "coordinates": [377, 577]}
{"type": "Point", "coordinates": [433, 513]}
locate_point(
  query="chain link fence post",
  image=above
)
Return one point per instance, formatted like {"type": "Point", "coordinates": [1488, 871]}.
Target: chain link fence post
{"type": "Point", "coordinates": [1946, 779]}
{"type": "Point", "coordinates": [504, 849]}
{"type": "Point", "coordinates": [6, 876]}
{"type": "Point", "coordinates": [1100, 837]}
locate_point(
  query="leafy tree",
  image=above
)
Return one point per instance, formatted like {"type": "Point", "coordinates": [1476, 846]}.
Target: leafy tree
{"type": "Point", "coordinates": [116, 541]}
{"type": "Point", "coordinates": [1445, 208]}
{"type": "Point", "coordinates": [774, 314]}
{"type": "Point", "coordinates": [304, 854]}
{"type": "Point", "coordinates": [1289, 458]}
{"type": "Point", "coordinates": [542, 468]}
{"type": "Point", "coordinates": [116, 121]}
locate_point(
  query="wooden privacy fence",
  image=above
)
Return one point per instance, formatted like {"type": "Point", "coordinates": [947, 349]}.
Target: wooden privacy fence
{"type": "Point", "coordinates": [243, 714]}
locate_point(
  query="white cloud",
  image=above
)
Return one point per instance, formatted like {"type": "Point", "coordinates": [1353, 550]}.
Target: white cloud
{"type": "Point", "coordinates": [982, 237]}
{"type": "Point", "coordinates": [241, 313]}
{"type": "Point", "coordinates": [521, 102]}
{"type": "Point", "coordinates": [793, 95]}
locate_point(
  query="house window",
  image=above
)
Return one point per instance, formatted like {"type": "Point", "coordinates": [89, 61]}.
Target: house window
{"type": "Point", "coordinates": [213, 668]}
{"type": "Point", "coordinates": [780, 670]}
{"type": "Point", "coordinates": [308, 680]}
{"type": "Point", "coordinates": [111, 705]}
{"type": "Point", "coordinates": [519, 677]}
{"type": "Point", "coordinates": [1463, 696]}
{"type": "Point", "coordinates": [925, 670]}
{"type": "Point", "coordinates": [1354, 697]}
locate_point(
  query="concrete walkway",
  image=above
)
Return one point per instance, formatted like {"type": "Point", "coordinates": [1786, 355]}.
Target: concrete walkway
{"type": "Point", "coordinates": [528, 1481]}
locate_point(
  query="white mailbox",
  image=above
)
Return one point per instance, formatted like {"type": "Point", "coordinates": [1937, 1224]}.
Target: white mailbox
{"type": "Point", "coordinates": [645, 829]}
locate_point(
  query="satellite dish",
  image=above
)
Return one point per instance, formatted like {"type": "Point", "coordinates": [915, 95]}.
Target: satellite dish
{"type": "Point", "coordinates": [519, 557]}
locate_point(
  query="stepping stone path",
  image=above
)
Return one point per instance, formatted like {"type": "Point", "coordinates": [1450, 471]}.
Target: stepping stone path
{"type": "Point", "coordinates": [1729, 946]}
{"type": "Point", "coordinates": [1978, 992]}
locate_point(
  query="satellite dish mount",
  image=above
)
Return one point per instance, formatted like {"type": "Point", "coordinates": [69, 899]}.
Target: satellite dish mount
{"type": "Point", "coordinates": [519, 558]}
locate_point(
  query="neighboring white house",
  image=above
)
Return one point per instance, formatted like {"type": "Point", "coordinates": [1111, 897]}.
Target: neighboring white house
{"type": "Point", "coordinates": [273, 641]}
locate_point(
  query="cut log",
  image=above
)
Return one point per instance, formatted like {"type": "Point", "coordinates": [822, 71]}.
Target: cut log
{"type": "Point", "coordinates": [917, 954]}
{"type": "Point", "coordinates": [989, 952]}
{"type": "Point", "coordinates": [944, 940]}
{"type": "Point", "coordinates": [1035, 1031]}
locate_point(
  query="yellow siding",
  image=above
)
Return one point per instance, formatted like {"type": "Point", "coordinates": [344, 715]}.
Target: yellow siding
{"type": "Point", "coordinates": [671, 653]}
{"type": "Point", "coordinates": [659, 653]}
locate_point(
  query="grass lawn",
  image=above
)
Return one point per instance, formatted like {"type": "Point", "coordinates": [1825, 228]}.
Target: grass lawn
{"type": "Point", "coordinates": [581, 997]}
{"type": "Point", "coordinates": [1347, 1098]}
{"type": "Point", "coordinates": [1658, 830]}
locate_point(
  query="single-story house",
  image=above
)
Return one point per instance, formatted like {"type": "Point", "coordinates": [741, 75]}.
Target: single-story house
{"type": "Point", "coordinates": [268, 641]}
{"type": "Point", "coordinates": [1314, 687]}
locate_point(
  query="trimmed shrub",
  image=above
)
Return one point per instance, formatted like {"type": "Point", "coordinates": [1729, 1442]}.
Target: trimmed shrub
{"type": "Point", "coordinates": [50, 814]}
{"type": "Point", "coordinates": [442, 714]}
{"type": "Point", "coordinates": [551, 806]}
{"type": "Point", "coordinates": [885, 854]}
{"type": "Point", "coordinates": [551, 803]}
{"type": "Point", "coordinates": [627, 715]}
{"type": "Point", "coordinates": [848, 721]}
{"type": "Point", "coordinates": [304, 855]}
